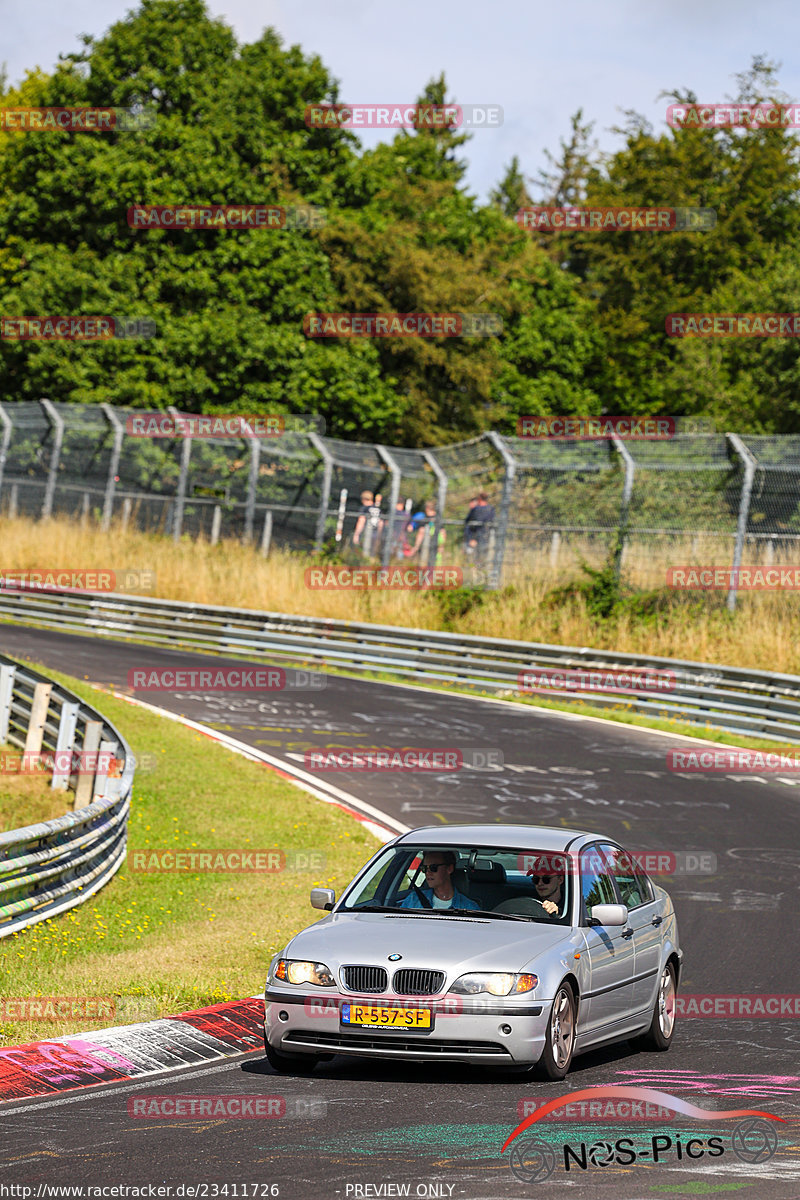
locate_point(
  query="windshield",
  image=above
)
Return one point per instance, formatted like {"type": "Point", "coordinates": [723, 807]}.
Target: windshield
{"type": "Point", "coordinates": [511, 883]}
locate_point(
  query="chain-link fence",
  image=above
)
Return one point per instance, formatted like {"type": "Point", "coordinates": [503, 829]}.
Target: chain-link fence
{"type": "Point", "coordinates": [501, 506]}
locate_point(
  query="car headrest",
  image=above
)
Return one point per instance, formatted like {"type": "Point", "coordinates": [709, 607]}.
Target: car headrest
{"type": "Point", "coordinates": [486, 870]}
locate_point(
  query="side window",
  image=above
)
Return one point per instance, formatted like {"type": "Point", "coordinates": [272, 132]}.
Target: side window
{"type": "Point", "coordinates": [596, 885]}
{"type": "Point", "coordinates": [631, 885]}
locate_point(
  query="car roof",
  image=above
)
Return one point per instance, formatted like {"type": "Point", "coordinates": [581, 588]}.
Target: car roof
{"type": "Point", "coordinates": [536, 837]}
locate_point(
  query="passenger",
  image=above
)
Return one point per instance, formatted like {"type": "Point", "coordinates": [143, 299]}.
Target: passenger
{"type": "Point", "coordinates": [440, 892]}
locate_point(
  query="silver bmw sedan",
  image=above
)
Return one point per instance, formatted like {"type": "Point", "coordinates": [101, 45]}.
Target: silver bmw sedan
{"type": "Point", "coordinates": [511, 945]}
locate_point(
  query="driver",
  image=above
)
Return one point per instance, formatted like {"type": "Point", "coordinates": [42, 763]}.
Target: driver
{"type": "Point", "coordinates": [440, 892]}
{"type": "Point", "coordinates": [550, 891]}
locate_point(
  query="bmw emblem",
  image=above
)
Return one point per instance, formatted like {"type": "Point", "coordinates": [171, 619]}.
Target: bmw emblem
{"type": "Point", "coordinates": [395, 957]}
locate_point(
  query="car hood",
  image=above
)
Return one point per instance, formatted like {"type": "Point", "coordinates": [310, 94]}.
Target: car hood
{"type": "Point", "coordinates": [451, 944]}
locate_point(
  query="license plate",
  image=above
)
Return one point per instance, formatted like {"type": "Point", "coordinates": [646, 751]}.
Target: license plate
{"type": "Point", "coordinates": [370, 1016]}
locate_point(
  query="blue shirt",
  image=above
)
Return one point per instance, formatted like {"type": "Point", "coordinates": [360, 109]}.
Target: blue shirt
{"type": "Point", "coordinates": [412, 900]}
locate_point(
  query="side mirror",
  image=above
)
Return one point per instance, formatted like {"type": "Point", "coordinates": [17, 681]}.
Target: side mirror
{"type": "Point", "coordinates": [608, 914]}
{"type": "Point", "coordinates": [323, 898]}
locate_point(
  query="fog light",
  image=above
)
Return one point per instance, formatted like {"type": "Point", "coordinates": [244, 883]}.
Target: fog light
{"type": "Point", "coordinates": [505, 1029]}
{"type": "Point", "coordinates": [283, 1015]}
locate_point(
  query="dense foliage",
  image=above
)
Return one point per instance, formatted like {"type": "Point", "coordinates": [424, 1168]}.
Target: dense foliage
{"type": "Point", "coordinates": [583, 314]}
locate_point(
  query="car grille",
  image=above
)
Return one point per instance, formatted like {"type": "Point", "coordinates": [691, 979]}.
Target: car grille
{"type": "Point", "coordinates": [349, 1042]}
{"type": "Point", "coordinates": [410, 982]}
{"type": "Point", "coordinates": [365, 979]}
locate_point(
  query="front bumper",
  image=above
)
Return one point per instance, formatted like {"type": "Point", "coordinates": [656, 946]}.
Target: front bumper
{"type": "Point", "coordinates": [500, 1032]}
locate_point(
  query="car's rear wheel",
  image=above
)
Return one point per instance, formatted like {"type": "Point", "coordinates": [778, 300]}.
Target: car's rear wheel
{"type": "Point", "coordinates": [559, 1042]}
{"type": "Point", "coordinates": [662, 1026]}
{"type": "Point", "coordinates": [289, 1064]}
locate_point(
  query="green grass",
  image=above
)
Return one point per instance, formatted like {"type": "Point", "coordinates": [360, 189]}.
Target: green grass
{"type": "Point", "coordinates": [159, 943]}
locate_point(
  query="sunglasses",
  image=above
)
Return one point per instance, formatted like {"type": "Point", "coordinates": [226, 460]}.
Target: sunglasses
{"type": "Point", "coordinates": [543, 878]}
{"type": "Point", "coordinates": [433, 867]}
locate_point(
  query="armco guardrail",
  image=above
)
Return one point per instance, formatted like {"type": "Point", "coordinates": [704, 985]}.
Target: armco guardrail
{"type": "Point", "coordinates": [728, 698]}
{"type": "Point", "coordinates": [48, 868]}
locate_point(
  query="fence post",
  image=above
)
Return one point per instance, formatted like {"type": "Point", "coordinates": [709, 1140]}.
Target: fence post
{"type": "Point", "coordinates": [183, 479]}
{"type": "Point", "coordinates": [13, 501]}
{"type": "Point", "coordinates": [41, 703]}
{"type": "Point", "coordinates": [505, 507]}
{"type": "Point", "coordinates": [5, 420]}
{"type": "Point", "coordinates": [6, 700]}
{"type": "Point", "coordinates": [252, 484]}
{"type": "Point", "coordinates": [441, 479]}
{"type": "Point", "coordinates": [126, 512]}
{"type": "Point", "coordinates": [57, 424]}
{"type": "Point", "coordinates": [327, 481]}
{"type": "Point", "coordinates": [113, 466]}
{"type": "Point", "coordinates": [394, 490]}
{"type": "Point", "coordinates": [627, 491]}
{"type": "Point", "coordinates": [750, 464]}
{"type": "Point", "coordinates": [85, 506]}
{"type": "Point", "coordinates": [65, 743]}
{"type": "Point", "coordinates": [266, 535]}
{"type": "Point", "coordinates": [555, 546]}
{"type": "Point", "coordinates": [216, 523]}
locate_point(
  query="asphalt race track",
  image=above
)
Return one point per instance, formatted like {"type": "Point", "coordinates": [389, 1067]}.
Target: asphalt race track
{"type": "Point", "coordinates": [435, 1130]}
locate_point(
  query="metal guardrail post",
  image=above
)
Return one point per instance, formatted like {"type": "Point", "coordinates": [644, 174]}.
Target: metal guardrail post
{"type": "Point", "coordinates": [505, 508]}
{"type": "Point", "coordinates": [744, 511]}
{"type": "Point", "coordinates": [57, 424]}
{"type": "Point", "coordinates": [93, 732]}
{"type": "Point", "coordinates": [5, 441]}
{"type": "Point", "coordinates": [252, 484]}
{"type": "Point", "coordinates": [183, 479]}
{"type": "Point", "coordinates": [627, 491]}
{"type": "Point", "coordinates": [327, 481]}
{"type": "Point", "coordinates": [386, 552]}
{"type": "Point", "coordinates": [41, 703]}
{"type": "Point", "coordinates": [113, 466]}
{"type": "Point", "coordinates": [6, 697]}
{"type": "Point", "coordinates": [65, 742]}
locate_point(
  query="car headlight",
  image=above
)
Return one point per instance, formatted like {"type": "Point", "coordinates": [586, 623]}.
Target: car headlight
{"type": "Point", "coordinates": [292, 970]}
{"type": "Point", "coordinates": [496, 984]}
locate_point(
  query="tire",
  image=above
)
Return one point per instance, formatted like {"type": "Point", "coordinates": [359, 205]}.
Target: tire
{"type": "Point", "coordinates": [662, 1026]}
{"type": "Point", "coordinates": [559, 1042]}
{"type": "Point", "coordinates": [290, 1064]}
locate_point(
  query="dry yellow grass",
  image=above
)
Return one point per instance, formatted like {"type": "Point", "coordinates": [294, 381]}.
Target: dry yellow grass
{"type": "Point", "coordinates": [761, 634]}
{"type": "Point", "coordinates": [26, 797]}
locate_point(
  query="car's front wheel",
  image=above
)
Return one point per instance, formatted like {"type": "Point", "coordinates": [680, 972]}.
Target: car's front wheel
{"type": "Point", "coordinates": [559, 1041]}
{"type": "Point", "coordinates": [290, 1064]}
{"type": "Point", "coordinates": [662, 1025]}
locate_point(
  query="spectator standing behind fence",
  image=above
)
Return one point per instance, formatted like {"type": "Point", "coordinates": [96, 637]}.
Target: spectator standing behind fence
{"type": "Point", "coordinates": [369, 526]}
{"type": "Point", "coordinates": [400, 524]}
{"type": "Point", "coordinates": [426, 527]}
{"type": "Point", "coordinates": [477, 525]}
